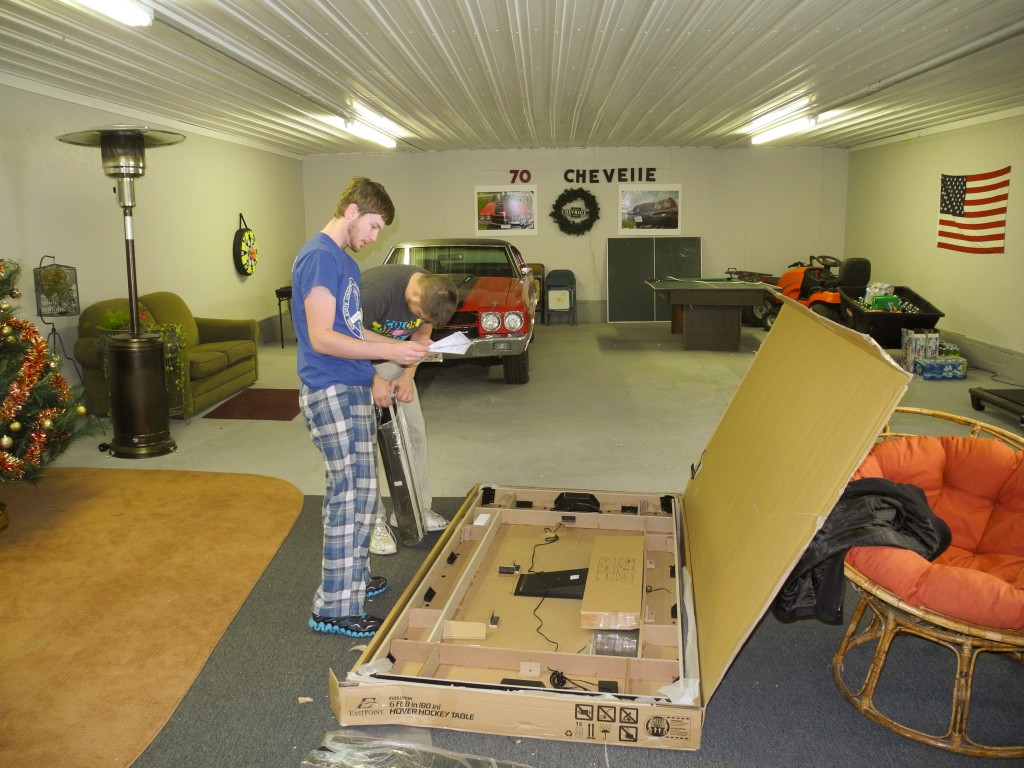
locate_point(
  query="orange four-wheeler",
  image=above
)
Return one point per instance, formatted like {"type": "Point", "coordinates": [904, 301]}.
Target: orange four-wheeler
{"type": "Point", "coordinates": [816, 286]}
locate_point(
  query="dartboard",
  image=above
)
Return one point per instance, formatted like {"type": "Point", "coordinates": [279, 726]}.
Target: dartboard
{"type": "Point", "coordinates": [244, 251]}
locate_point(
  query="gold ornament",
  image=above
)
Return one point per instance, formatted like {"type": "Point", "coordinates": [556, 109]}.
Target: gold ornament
{"type": "Point", "coordinates": [6, 330]}
{"type": "Point", "coordinates": [6, 442]}
{"type": "Point", "coordinates": [15, 426]}
{"type": "Point", "coordinates": [46, 424]}
{"type": "Point", "coordinates": [15, 293]}
{"type": "Point", "coordinates": [81, 410]}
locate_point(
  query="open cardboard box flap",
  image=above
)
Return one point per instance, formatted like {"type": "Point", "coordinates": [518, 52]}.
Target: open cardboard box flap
{"type": "Point", "coordinates": [803, 418]}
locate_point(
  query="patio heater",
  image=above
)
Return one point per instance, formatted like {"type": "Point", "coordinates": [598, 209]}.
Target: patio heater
{"type": "Point", "coordinates": [135, 360]}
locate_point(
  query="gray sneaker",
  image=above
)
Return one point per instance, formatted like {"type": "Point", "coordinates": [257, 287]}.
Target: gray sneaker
{"type": "Point", "coordinates": [382, 540]}
{"type": "Point", "coordinates": [433, 521]}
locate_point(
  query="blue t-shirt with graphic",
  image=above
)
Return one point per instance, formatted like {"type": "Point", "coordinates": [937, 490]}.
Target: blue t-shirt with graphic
{"type": "Point", "coordinates": [321, 262]}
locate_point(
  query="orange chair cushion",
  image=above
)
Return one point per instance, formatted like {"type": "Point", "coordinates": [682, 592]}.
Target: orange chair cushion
{"type": "Point", "coordinates": [977, 486]}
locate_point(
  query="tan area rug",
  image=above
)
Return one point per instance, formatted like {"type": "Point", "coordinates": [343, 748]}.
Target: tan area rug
{"type": "Point", "coordinates": [115, 585]}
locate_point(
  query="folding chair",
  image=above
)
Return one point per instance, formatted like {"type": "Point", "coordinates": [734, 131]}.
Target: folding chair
{"type": "Point", "coordinates": [560, 295]}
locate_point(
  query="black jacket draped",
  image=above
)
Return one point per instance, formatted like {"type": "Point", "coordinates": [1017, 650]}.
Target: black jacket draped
{"type": "Point", "coordinates": [872, 511]}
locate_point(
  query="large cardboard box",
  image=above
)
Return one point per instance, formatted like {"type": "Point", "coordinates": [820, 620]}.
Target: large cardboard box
{"type": "Point", "coordinates": [712, 558]}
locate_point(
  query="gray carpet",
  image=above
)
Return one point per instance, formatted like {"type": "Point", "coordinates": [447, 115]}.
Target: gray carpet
{"type": "Point", "coordinates": [776, 706]}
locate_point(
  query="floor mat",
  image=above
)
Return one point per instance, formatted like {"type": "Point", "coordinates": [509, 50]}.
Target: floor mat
{"type": "Point", "coordinates": [259, 404]}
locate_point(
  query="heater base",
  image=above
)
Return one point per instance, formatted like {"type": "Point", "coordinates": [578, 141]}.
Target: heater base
{"type": "Point", "coordinates": [138, 397]}
{"type": "Point", "coordinates": [143, 451]}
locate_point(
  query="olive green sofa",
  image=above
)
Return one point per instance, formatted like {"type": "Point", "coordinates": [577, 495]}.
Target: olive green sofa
{"type": "Point", "coordinates": [220, 357]}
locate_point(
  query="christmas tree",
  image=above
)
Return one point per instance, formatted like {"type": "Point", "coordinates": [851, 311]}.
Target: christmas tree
{"type": "Point", "coordinates": [39, 414]}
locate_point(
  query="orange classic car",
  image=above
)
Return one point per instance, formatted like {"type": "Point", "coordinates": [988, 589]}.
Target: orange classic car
{"type": "Point", "coordinates": [497, 298]}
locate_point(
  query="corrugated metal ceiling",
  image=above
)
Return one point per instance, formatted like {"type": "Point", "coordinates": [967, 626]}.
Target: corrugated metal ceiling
{"type": "Point", "coordinates": [486, 74]}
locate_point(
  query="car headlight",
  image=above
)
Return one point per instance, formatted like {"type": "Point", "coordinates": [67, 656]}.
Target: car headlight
{"type": "Point", "coordinates": [490, 321]}
{"type": "Point", "coordinates": [513, 320]}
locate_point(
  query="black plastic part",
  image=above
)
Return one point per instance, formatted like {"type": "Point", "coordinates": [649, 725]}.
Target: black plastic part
{"type": "Point", "coordinates": [522, 683]}
{"type": "Point", "coordinates": [571, 501]}
{"type": "Point", "coordinates": [568, 584]}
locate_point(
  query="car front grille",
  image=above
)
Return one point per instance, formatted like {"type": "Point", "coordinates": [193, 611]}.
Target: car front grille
{"type": "Point", "coordinates": [461, 321]}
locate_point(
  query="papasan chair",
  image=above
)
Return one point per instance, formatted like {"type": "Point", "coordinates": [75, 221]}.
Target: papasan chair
{"type": "Point", "coordinates": [970, 599]}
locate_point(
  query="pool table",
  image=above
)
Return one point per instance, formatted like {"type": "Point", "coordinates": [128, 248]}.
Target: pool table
{"type": "Point", "coordinates": [707, 311]}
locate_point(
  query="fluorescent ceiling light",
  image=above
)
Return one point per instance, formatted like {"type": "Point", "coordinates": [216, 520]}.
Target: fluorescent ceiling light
{"type": "Point", "coordinates": [362, 130]}
{"type": "Point", "coordinates": [376, 121]}
{"type": "Point", "coordinates": [129, 12]}
{"type": "Point", "coordinates": [832, 117]}
{"type": "Point", "coordinates": [778, 114]}
{"type": "Point", "coordinates": [793, 126]}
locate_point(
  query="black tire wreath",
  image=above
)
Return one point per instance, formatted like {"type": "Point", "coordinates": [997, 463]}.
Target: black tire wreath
{"type": "Point", "coordinates": [573, 226]}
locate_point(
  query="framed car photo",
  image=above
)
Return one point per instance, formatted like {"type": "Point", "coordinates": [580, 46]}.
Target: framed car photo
{"type": "Point", "coordinates": [505, 210]}
{"type": "Point", "coordinates": [651, 209]}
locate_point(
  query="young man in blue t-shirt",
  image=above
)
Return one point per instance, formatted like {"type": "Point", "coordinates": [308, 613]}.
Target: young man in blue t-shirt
{"type": "Point", "coordinates": [336, 374]}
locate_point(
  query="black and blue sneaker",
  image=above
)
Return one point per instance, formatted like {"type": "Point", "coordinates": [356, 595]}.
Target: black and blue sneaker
{"type": "Point", "coordinates": [378, 586]}
{"type": "Point", "coordinates": [353, 626]}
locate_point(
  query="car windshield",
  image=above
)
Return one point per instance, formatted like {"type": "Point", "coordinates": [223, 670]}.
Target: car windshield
{"type": "Point", "coordinates": [479, 261]}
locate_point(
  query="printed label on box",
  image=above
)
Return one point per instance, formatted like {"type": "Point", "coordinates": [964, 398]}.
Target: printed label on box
{"type": "Point", "coordinates": [624, 724]}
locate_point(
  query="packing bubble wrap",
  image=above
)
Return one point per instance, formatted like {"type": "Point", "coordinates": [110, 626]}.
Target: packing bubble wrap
{"type": "Point", "coordinates": [351, 749]}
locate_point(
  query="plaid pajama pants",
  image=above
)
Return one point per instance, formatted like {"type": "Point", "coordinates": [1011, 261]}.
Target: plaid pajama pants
{"type": "Point", "coordinates": [343, 427]}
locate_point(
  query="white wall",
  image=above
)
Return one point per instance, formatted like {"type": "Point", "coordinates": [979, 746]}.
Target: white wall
{"type": "Point", "coordinates": [892, 219]}
{"type": "Point", "coordinates": [759, 209]}
{"type": "Point", "coordinates": [55, 200]}
{"type": "Point", "coordinates": [753, 208]}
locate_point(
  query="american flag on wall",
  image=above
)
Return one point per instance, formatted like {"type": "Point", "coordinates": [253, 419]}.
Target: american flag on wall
{"type": "Point", "coordinates": [972, 212]}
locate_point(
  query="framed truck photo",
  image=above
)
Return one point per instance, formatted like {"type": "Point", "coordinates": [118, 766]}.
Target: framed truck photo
{"type": "Point", "coordinates": [650, 209]}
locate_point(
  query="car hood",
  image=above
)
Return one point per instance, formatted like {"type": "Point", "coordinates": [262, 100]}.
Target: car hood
{"type": "Point", "coordinates": [483, 293]}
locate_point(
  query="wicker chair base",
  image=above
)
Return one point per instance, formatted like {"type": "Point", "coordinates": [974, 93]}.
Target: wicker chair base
{"type": "Point", "coordinates": [888, 618]}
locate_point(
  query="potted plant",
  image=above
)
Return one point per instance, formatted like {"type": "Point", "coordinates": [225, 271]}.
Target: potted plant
{"type": "Point", "coordinates": [59, 290]}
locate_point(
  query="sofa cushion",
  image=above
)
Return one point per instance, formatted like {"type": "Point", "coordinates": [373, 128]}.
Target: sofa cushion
{"type": "Point", "coordinates": [203, 362]}
{"type": "Point", "coordinates": [207, 359]}
{"type": "Point", "coordinates": [977, 486]}
{"type": "Point", "coordinates": [167, 307]}
{"type": "Point", "coordinates": [235, 350]}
